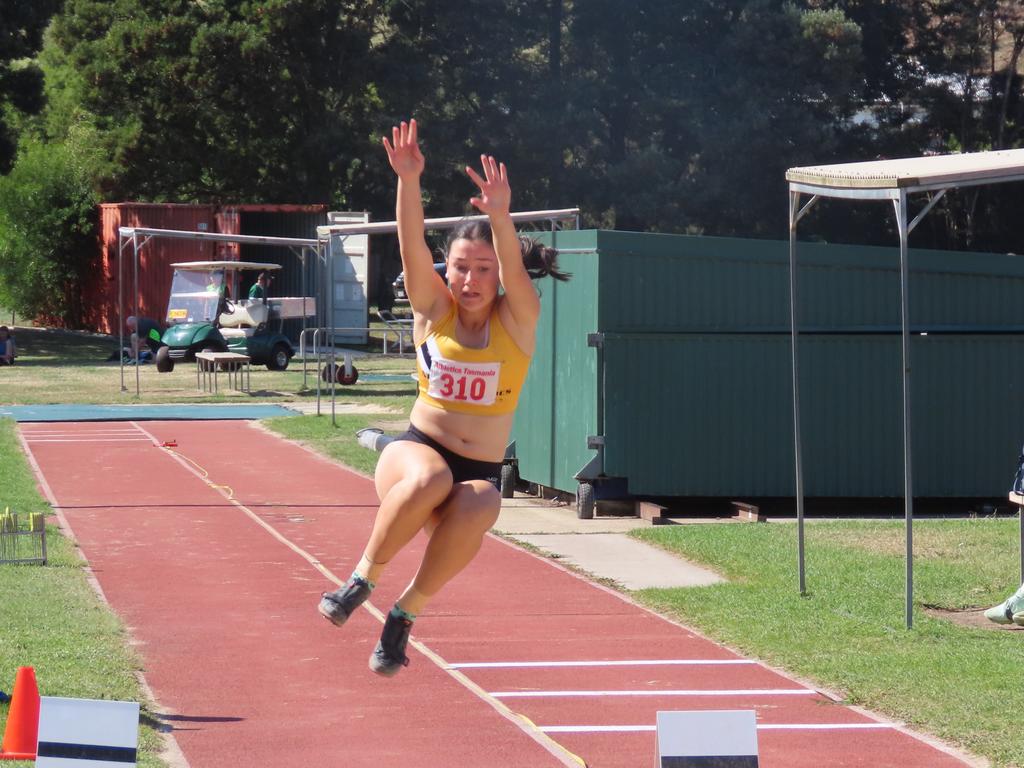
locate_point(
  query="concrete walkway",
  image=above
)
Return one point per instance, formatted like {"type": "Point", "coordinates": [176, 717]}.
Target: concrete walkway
{"type": "Point", "coordinates": [599, 547]}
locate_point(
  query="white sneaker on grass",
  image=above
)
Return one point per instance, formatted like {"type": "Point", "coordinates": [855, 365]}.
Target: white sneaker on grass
{"type": "Point", "coordinates": [1010, 611]}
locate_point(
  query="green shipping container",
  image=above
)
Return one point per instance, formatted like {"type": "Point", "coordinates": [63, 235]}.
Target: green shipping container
{"type": "Point", "coordinates": [663, 369]}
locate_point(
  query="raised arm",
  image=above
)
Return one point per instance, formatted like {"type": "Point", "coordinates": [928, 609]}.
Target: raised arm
{"type": "Point", "coordinates": [495, 199]}
{"type": "Point", "coordinates": [422, 284]}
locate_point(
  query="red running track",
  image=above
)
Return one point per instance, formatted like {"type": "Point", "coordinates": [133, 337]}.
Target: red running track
{"type": "Point", "coordinates": [214, 551]}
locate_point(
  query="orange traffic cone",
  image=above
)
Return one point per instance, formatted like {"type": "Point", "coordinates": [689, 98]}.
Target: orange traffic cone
{"type": "Point", "coordinates": [22, 718]}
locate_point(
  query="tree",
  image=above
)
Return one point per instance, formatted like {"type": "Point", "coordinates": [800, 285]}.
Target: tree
{"type": "Point", "coordinates": [689, 114]}
{"type": "Point", "coordinates": [21, 82]}
{"type": "Point", "coordinates": [470, 85]}
{"type": "Point", "coordinates": [219, 100]}
{"type": "Point", "coordinates": [48, 230]}
{"type": "Point", "coordinates": [971, 101]}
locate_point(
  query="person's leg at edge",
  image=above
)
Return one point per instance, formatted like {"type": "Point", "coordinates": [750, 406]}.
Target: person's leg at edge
{"type": "Point", "coordinates": [456, 533]}
{"type": "Point", "coordinates": [1011, 610]}
{"type": "Point", "coordinates": [412, 481]}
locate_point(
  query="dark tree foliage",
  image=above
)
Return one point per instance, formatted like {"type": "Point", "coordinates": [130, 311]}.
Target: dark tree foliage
{"type": "Point", "coordinates": [469, 73]}
{"type": "Point", "coordinates": [21, 82]}
{"type": "Point", "coordinates": [216, 100]}
{"type": "Point", "coordinates": [970, 103]}
{"type": "Point", "coordinates": [659, 115]}
{"type": "Point", "coordinates": [693, 112]}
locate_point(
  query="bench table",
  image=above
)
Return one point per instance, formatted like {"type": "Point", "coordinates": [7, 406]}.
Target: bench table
{"type": "Point", "coordinates": [236, 368]}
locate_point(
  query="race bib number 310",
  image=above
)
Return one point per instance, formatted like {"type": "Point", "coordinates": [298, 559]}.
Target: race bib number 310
{"type": "Point", "coordinates": [474, 383]}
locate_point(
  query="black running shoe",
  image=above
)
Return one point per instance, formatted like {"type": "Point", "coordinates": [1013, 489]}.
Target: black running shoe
{"type": "Point", "coordinates": [338, 606]}
{"type": "Point", "coordinates": [389, 655]}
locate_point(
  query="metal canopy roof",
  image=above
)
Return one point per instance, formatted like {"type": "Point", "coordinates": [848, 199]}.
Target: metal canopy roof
{"type": "Point", "coordinates": [294, 242]}
{"type": "Point", "coordinates": [208, 266]}
{"type": "Point", "coordinates": [448, 222]}
{"type": "Point", "coordinates": [892, 180]}
{"type": "Point", "coordinates": [910, 174]}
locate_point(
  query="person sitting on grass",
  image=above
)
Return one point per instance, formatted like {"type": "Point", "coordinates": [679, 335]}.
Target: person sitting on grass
{"type": "Point", "coordinates": [6, 346]}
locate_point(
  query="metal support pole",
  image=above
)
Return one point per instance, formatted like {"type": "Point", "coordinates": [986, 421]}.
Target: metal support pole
{"type": "Point", "coordinates": [331, 361]}
{"type": "Point", "coordinates": [135, 312]}
{"type": "Point", "coordinates": [322, 249]}
{"type": "Point", "coordinates": [316, 348]}
{"type": "Point", "coordinates": [122, 243]}
{"type": "Point", "coordinates": [794, 205]}
{"type": "Point", "coordinates": [900, 206]}
{"type": "Point", "coordinates": [301, 253]}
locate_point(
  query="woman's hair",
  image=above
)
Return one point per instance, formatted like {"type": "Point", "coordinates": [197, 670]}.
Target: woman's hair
{"type": "Point", "coordinates": [539, 259]}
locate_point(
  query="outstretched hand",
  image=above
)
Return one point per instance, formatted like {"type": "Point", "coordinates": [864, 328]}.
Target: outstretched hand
{"type": "Point", "coordinates": [404, 150]}
{"type": "Point", "coordinates": [495, 193]}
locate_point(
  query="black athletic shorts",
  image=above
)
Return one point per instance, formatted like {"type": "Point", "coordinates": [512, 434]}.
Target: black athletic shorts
{"type": "Point", "coordinates": [462, 468]}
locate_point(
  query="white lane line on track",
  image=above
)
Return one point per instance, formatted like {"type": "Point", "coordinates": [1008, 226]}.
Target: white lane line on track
{"type": "Point", "coordinates": [125, 439]}
{"type": "Point", "coordinates": [764, 727]}
{"type": "Point", "coordinates": [699, 692]}
{"type": "Point", "coordinates": [84, 430]}
{"type": "Point", "coordinates": [559, 752]}
{"type": "Point", "coordinates": [616, 663]}
{"type": "Point", "coordinates": [171, 750]}
{"type": "Point", "coordinates": [78, 433]}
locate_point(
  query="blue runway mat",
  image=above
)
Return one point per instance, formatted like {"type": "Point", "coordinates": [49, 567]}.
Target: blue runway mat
{"type": "Point", "coordinates": [169, 412]}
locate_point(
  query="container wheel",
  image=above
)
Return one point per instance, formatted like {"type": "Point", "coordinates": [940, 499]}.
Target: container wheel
{"type": "Point", "coordinates": [339, 374]}
{"type": "Point", "coordinates": [164, 363]}
{"type": "Point", "coordinates": [345, 379]}
{"type": "Point", "coordinates": [585, 501]}
{"type": "Point", "coordinates": [508, 481]}
{"type": "Point", "coordinates": [278, 357]}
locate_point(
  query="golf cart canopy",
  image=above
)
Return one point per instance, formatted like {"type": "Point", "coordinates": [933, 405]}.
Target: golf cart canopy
{"type": "Point", "coordinates": [210, 266]}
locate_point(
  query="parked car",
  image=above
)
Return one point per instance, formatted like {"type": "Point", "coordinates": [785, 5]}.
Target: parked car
{"type": "Point", "coordinates": [399, 284]}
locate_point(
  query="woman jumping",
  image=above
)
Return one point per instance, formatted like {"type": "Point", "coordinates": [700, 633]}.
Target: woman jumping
{"type": "Point", "coordinates": [473, 350]}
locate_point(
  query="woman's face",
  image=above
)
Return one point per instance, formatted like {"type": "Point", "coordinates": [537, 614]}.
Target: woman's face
{"type": "Point", "coordinates": [473, 273]}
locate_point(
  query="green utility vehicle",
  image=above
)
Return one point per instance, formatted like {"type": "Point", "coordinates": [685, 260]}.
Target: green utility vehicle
{"type": "Point", "coordinates": [202, 318]}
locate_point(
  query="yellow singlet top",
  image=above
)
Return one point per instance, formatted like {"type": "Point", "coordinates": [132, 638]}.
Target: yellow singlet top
{"type": "Point", "coordinates": [485, 381]}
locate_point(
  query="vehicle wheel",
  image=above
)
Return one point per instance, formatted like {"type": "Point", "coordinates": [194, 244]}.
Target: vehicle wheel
{"type": "Point", "coordinates": [279, 357]}
{"type": "Point", "coordinates": [585, 501]}
{"type": "Point", "coordinates": [164, 363]}
{"type": "Point", "coordinates": [508, 481]}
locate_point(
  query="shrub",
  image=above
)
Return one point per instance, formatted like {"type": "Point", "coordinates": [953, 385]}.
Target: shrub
{"type": "Point", "coordinates": [48, 224]}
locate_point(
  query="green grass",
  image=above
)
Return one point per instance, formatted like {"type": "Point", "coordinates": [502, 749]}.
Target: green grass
{"type": "Point", "coordinates": [54, 621]}
{"type": "Point", "coordinates": [56, 366]}
{"type": "Point", "coordinates": [338, 443]}
{"type": "Point", "coordinates": [848, 634]}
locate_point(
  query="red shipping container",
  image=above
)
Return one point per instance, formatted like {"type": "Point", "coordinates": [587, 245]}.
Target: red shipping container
{"type": "Point", "coordinates": [101, 296]}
